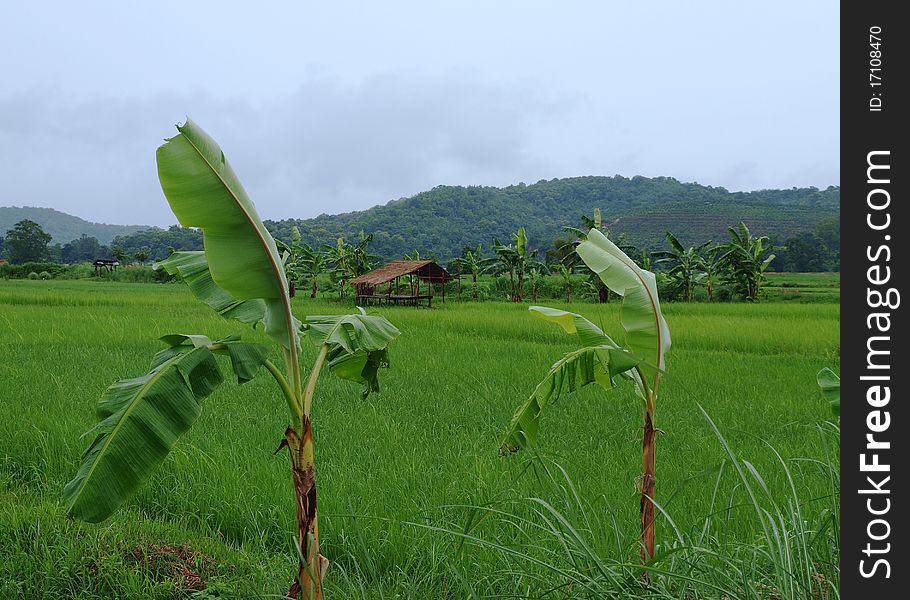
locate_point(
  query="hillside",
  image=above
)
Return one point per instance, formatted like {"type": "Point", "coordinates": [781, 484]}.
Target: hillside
{"type": "Point", "coordinates": [441, 221]}
{"type": "Point", "coordinates": [61, 226]}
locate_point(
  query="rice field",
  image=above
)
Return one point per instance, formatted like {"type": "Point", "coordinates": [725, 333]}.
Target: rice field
{"type": "Point", "coordinates": [415, 501]}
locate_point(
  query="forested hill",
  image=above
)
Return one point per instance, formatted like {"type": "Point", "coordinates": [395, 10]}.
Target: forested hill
{"type": "Point", "coordinates": [441, 221]}
{"type": "Point", "coordinates": [63, 227]}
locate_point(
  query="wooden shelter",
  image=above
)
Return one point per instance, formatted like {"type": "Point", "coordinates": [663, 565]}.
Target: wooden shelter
{"type": "Point", "coordinates": [103, 264]}
{"type": "Point", "coordinates": [369, 286]}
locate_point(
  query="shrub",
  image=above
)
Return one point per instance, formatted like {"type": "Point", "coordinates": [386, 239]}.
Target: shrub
{"type": "Point", "coordinates": [33, 275]}
{"type": "Point", "coordinates": [723, 294]}
{"type": "Point", "coordinates": [44, 275]}
{"type": "Point", "coordinates": [10, 271]}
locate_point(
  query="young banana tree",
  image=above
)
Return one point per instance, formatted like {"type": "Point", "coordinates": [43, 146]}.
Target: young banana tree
{"type": "Point", "coordinates": [603, 361]}
{"type": "Point", "coordinates": [474, 263]}
{"type": "Point", "coordinates": [240, 275]}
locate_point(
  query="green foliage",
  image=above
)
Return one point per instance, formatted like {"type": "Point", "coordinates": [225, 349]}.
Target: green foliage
{"type": "Point", "coordinates": [140, 420]}
{"type": "Point", "coordinates": [516, 259]}
{"type": "Point", "coordinates": [472, 262]}
{"type": "Point", "coordinates": [84, 248]}
{"type": "Point", "coordinates": [204, 192]}
{"type": "Point", "coordinates": [686, 267]}
{"type": "Point", "coordinates": [745, 259]}
{"type": "Point", "coordinates": [242, 276]}
{"type": "Point", "coordinates": [348, 261]}
{"type": "Point", "coordinates": [829, 383]}
{"type": "Point", "coordinates": [647, 338]}
{"type": "Point", "coordinates": [157, 244]}
{"type": "Point", "coordinates": [444, 220]}
{"type": "Point", "coordinates": [811, 251]}
{"type": "Point", "coordinates": [357, 345]}
{"type": "Point", "coordinates": [11, 271]}
{"type": "Point", "coordinates": [26, 242]}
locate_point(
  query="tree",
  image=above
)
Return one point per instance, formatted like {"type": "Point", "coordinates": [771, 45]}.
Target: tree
{"type": "Point", "coordinates": [602, 361]}
{"type": "Point", "coordinates": [119, 253]}
{"type": "Point", "coordinates": [713, 269]}
{"type": "Point", "coordinates": [313, 263]}
{"type": "Point", "coordinates": [534, 276]}
{"type": "Point", "coordinates": [566, 274]}
{"type": "Point", "coordinates": [349, 260]}
{"type": "Point", "coordinates": [570, 258]}
{"type": "Point", "coordinates": [474, 263]}
{"type": "Point", "coordinates": [158, 242]}
{"type": "Point", "coordinates": [292, 254]}
{"type": "Point", "coordinates": [686, 267]}
{"type": "Point", "coordinates": [141, 255]}
{"type": "Point", "coordinates": [516, 259]}
{"type": "Point", "coordinates": [27, 242]}
{"type": "Point", "coordinates": [241, 276]}
{"type": "Point", "coordinates": [84, 248]}
{"type": "Point", "coordinates": [745, 258]}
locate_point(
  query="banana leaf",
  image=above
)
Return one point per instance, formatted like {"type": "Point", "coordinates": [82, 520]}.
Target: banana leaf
{"type": "Point", "coordinates": [647, 334]}
{"type": "Point", "coordinates": [588, 333]}
{"type": "Point", "coordinates": [358, 345]}
{"type": "Point", "coordinates": [140, 420]}
{"type": "Point", "coordinates": [596, 364]}
{"type": "Point", "coordinates": [193, 268]}
{"type": "Point", "coordinates": [829, 383]}
{"type": "Point", "coordinates": [203, 191]}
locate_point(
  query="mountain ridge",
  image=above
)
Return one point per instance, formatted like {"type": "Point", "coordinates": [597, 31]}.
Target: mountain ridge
{"type": "Point", "coordinates": [62, 226]}
{"type": "Point", "coordinates": [441, 221]}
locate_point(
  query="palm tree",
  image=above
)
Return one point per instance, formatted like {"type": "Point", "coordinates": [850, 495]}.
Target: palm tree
{"type": "Point", "coordinates": [686, 266]}
{"type": "Point", "coordinates": [746, 258]}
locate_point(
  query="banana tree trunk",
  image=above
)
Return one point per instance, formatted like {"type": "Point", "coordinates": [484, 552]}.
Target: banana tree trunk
{"type": "Point", "coordinates": [312, 565]}
{"type": "Point", "coordinates": [647, 490]}
{"type": "Point", "coordinates": [313, 289]}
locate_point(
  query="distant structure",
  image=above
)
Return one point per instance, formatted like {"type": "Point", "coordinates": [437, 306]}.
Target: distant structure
{"type": "Point", "coordinates": [104, 265]}
{"type": "Point", "coordinates": [408, 293]}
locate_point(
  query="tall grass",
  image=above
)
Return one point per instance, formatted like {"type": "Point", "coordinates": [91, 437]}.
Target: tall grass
{"type": "Point", "coordinates": [552, 544]}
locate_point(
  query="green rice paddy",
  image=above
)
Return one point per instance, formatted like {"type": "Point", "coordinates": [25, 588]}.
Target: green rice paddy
{"type": "Point", "coordinates": [414, 499]}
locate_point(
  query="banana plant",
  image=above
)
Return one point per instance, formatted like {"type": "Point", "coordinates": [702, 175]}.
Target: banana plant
{"type": "Point", "coordinates": [241, 275]}
{"type": "Point", "coordinates": [602, 361]}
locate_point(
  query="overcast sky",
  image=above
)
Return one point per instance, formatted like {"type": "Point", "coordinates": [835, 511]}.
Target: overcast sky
{"type": "Point", "coordinates": [337, 106]}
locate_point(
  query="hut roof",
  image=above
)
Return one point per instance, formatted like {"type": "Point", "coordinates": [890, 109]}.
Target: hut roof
{"type": "Point", "coordinates": [427, 270]}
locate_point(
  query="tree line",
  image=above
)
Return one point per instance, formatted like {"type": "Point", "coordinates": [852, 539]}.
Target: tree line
{"type": "Point", "coordinates": [737, 263]}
